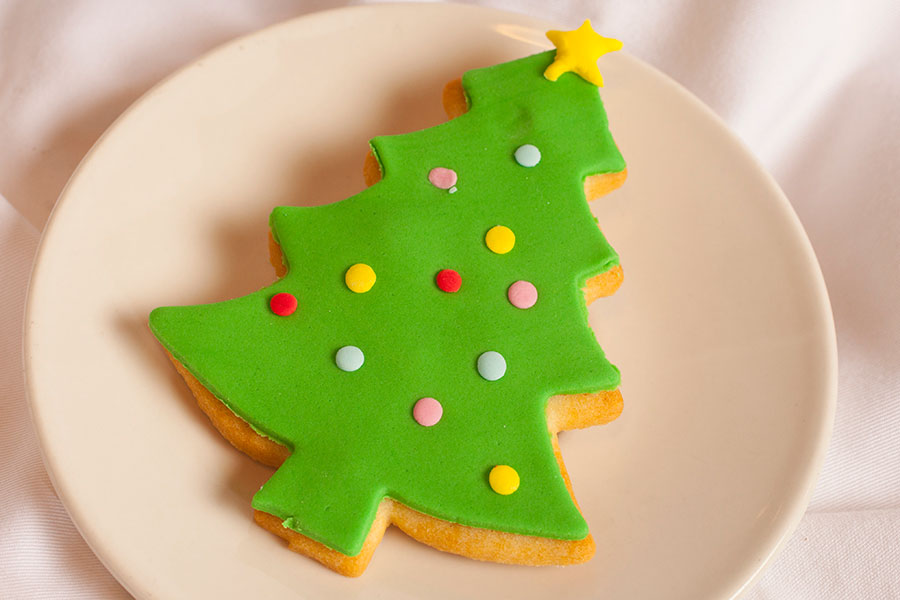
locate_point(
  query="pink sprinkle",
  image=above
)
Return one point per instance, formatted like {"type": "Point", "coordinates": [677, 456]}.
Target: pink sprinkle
{"type": "Point", "coordinates": [522, 294]}
{"type": "Point", "coordinates": [427, 412]}
{"type": "Point", "coordinates": [442, 178]}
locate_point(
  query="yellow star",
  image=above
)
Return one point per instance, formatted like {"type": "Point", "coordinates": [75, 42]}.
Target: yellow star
{"type": "Point", "coordinates": [578, 51]}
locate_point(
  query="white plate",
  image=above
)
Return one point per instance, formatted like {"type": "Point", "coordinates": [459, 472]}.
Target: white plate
{"type": "Point", "coordinates": [722, 329]}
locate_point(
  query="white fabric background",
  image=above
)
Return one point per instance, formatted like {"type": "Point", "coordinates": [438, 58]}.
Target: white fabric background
{"type": "Point", "coordinates": [812, 86]}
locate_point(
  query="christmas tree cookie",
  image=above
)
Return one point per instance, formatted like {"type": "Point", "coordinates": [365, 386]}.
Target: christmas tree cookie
{"type": "Point", "coordinates": [427, 338]}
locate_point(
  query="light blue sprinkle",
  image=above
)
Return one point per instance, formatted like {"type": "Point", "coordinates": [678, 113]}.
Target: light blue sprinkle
{"type": "Point", "coordinates": [491, 365]}
{"type": "Point", "coordinates": [349, 358]}
{"type": "Point", "coordinates": [528, 155]}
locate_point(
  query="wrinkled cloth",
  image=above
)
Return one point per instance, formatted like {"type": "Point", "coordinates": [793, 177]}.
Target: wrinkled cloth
{"type": "Point", "coordinates": [813, 89]}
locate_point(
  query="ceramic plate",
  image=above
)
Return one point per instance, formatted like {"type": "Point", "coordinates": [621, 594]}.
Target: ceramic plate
{"type": "Point", "coordinates": [722, 329]}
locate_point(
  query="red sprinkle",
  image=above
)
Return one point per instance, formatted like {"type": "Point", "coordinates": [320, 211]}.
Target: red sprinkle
{"type": "Point", "coordinates": [448, 280]}
{"type": "Point", "coordinates": [283, 304]}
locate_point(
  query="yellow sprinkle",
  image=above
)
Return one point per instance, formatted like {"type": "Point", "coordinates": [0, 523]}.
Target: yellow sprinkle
{"type": "Point", "coordinates": [504, 480]}
{"type": "Point", "coordinates": [360, 278]}
{"type": "Point", "coordinates": [500, 239]}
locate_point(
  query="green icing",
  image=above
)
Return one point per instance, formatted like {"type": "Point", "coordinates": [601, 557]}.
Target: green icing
{"type": "Point", "coordinates": [352, 435]}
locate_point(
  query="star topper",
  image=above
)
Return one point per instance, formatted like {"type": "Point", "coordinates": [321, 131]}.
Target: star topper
{"type": "Point", "coordinates": [578, 51]}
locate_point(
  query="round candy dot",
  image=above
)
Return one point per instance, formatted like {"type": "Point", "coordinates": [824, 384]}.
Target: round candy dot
{"type": "Point", "coordinates": [349, 358]}
{"type": "Point", "coordinates": [504, 480]}
{"type": "Point", "coordinates": [448, 280]}
{"type": "Point", "coordinates": [522, 294]}
{"type": "Point", "coordinates": [427, 412]}
{"type": "Point", "coordinates": [283, 304]}
{"type": "Point", "coordinates": [360, 278]}
{"type": "Point", "coordinates": [500, 239]}
{"type": "Point", "coordinates": [528, 155]}
{"type": "Point", "coordinates": [491, 365]}
{"type": "Point", "coordinates": [442, 178]}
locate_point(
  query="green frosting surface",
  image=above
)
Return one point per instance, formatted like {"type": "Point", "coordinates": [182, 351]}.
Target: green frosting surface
{"type": "Point", "coordinates": [352, 434]}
